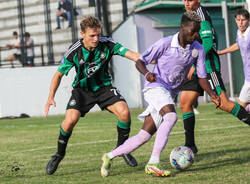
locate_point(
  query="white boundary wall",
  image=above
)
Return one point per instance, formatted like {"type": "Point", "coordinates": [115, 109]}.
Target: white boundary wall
{"type": "Point", "coordinates": [25, 90]}
{"type": "Point", "coordinates": [126, 77]}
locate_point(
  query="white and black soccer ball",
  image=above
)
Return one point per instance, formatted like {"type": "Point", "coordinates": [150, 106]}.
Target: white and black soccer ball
{"type": "Point", "coordinates": [181, 157]}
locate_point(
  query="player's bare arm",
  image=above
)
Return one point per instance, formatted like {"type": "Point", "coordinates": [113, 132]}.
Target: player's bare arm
{"type": "Point", "coordinates": [134, 56]}
{"type": "Point", "coordinates": [230, 49]}
{"type": "Point", "coordinates": [142, 68]}
{"type": "Point", "coordinates": [190, 73]}
{"type": "Point", "coordinates": [55, 82]}
{"type": "Point", "coordinates": [204, 84]}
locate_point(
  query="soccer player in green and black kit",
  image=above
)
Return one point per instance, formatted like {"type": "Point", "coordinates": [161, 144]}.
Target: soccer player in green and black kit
{"type": "Point", "coordinates": [191, 89]}
{"type": "Point", "coordinates": [92, 85]}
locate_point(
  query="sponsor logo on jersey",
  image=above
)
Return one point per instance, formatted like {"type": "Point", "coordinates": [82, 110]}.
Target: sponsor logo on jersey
{"type": "Point", "coordinates": [92, 70]}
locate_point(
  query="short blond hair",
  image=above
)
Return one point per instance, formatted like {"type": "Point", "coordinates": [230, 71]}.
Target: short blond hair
{"type": "Point", "coordinates": [90, 22]}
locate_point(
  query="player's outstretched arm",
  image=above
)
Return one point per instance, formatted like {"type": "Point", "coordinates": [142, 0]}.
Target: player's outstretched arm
{"type": "Point", "coordinates": [204, 84]}
{"type": "Point", "coordinates": [55, 82]}
{"type": "Point", "coordinates": [134, 56]}
{"type": "Point", "coordinates": [230, 49]}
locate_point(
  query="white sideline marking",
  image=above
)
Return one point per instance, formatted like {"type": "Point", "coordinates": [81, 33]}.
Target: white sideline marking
{"type": "Point", "coordinates": [112, 140]}
{"type": "Point", "coordinates": [57, 125]}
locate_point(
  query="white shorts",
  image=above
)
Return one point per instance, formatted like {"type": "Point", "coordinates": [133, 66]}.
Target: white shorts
{"type": "Point", "coordinates": [245, 93]}
{"type": "Point", "coordinates": [156, 99]}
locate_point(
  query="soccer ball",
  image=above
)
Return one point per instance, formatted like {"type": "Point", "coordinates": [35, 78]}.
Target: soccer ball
{"type": "Point", "coordinates": [181, 157]}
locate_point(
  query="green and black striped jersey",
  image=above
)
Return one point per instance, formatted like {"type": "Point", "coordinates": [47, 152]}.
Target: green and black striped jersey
{"type": "Point", "coordinates": [209, 39]}
{"type": "Point", "coordinates": [92, 67]}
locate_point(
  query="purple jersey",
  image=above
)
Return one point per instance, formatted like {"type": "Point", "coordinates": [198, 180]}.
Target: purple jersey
{"type": "Point", "coordinates": [173, 62]}
{"type": "Point", "coordinates": [243, 41]}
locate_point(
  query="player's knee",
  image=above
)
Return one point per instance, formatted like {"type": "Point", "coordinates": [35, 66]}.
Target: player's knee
{"type": "Point", "coordinates": [144, 136]}
{"type": "Point", "coordinates": [70, 122]}
{"type": "Point", "coordinates": [182, 105]}
{"type": "Point", "coordinates": [185, 106]}
{"type": "Point", "coordinates": [124, 115]}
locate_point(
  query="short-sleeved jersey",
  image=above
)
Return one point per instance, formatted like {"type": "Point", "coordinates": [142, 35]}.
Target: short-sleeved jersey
{"type": "Point", "coordinates": [208, 33]}
{"type": "Point", "coordinates": [92, 67]}
{"type": "Point", "coordinates": [173, 62]}
{"type": "Point", "coordinates": [243, 41]}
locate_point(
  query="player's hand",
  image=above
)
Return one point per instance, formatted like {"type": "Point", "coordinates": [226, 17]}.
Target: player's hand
{"type": "Point", "coordinates": [47, 106]}
{"type": "Point", "coordinates": [219, 52]}
{"type": "Point", "coordinates": [150, 77]}
{"type": "Point", "coordinates": [216, 100]}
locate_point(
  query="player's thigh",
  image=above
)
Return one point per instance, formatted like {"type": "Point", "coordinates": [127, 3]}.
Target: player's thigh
{"type": "Point", "coordinates": [149, 125]}
{"type": "Point", "coordinates": [187, 99]}
{"type": "Point", "coordinates": [158, 97]}
{"type": "Point", "coordinates": [121, 110]}
{"type": "Point", "coordinates": [166, 109]}
{"type": "Point", "coordinates": [110, 98]}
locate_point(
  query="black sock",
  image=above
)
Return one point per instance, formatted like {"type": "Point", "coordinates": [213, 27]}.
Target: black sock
{"type": "Point", "coordinates": [62, 142]}
{"type": "Point", "coordinates": [123, 135]}
{"type": "Point", "coordinates": [243, 115]}
{"type": "Point", "coordinates": [189, 124]}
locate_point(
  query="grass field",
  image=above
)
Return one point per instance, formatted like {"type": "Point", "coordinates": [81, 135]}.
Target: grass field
{"type": "Point", "coordinates": [27, 145]}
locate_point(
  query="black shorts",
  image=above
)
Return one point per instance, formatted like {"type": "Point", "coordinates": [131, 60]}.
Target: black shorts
{"type": "Point", "coordinates": [84, 101]}
{"type": "Point", "coordinates": [214, 79]}
{"type": "Point", "coordinates": [192, 85]}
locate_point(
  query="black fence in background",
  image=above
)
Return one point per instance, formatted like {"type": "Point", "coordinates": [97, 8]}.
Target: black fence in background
{"type": "Point", "coordinates": [41, 59]}
{"type": "Point", "coordinates": [21, 62]}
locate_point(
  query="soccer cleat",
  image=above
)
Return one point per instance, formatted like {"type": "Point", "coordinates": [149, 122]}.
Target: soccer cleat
{"type": "Point", "coordinates": [130, 160]}
{"type": "Point", "coordinates": [106, 164]}
{"type": "Point", "coordinates": [193, 148]}
{"type": "Point", "coordinates": [154, 169]}
{"type": "Point", "coordinates": [53, 163]}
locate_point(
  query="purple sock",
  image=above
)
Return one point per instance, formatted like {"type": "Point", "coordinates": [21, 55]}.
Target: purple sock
{"type": "Point", "coordinates": [162, 134]}
{"type": "Point", "coordinates": [131, 144]}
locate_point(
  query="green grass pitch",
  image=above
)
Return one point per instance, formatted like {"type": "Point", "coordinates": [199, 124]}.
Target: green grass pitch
{"type": "Point", "coordinates": [26, 146]}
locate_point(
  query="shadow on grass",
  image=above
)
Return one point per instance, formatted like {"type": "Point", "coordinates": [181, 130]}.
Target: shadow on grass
{"type": "Point", "coordinates": [215, 163]}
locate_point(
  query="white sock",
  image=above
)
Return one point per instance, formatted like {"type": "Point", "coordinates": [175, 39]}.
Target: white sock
{"type": "Point", "coordinates": [154, 160]}
{"type": "Point", "coordinates": [110, 155]}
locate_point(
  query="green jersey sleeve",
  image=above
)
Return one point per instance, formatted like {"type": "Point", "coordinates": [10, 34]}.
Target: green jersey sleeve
{"type": "Point", "coordinates": [206, 35]}
{"type": "Point", "coordinates": [65, 66]}
{"type": "Point", "coordinates": [118, 49]}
